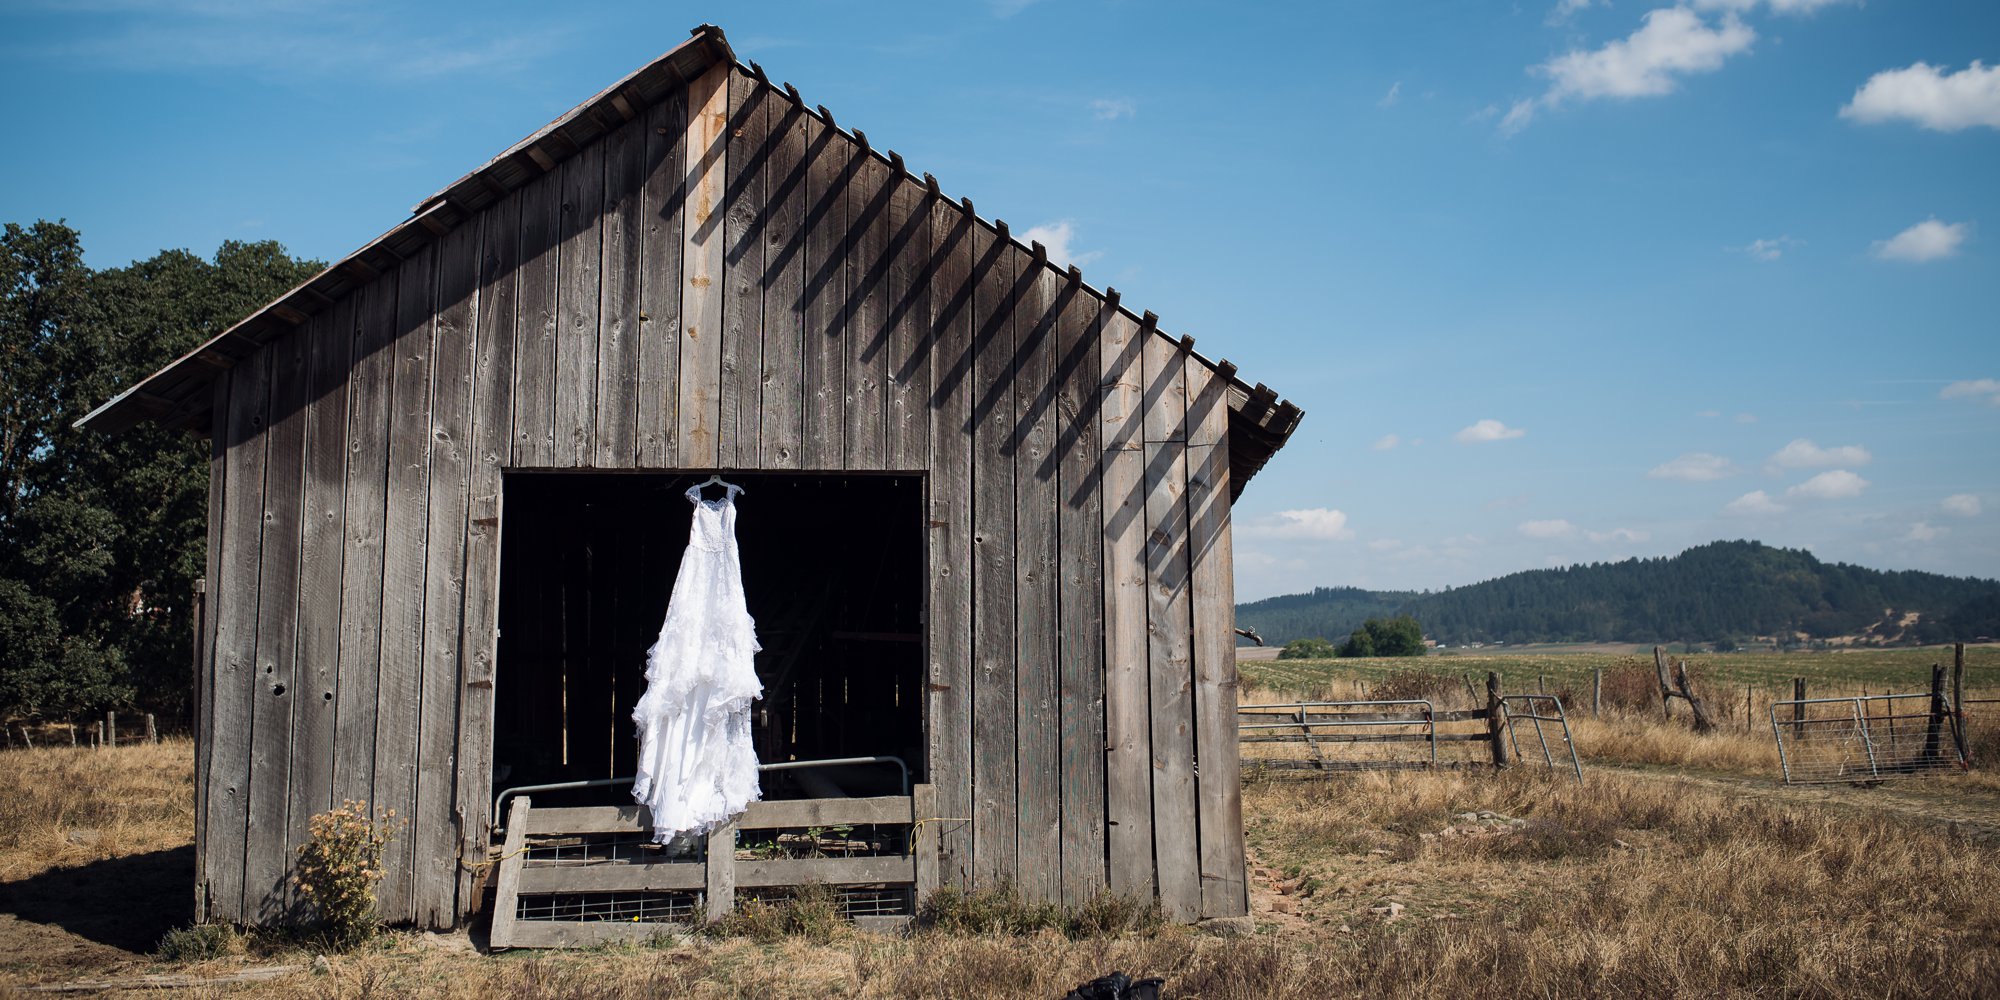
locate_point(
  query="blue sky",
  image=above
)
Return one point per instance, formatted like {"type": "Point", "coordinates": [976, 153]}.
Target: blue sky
{"type": "Point", "coordinates": [1555, 282]}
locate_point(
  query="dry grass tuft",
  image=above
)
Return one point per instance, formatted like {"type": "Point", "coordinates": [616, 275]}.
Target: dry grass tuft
{"type": "Point", "coordinates": [64, 806]}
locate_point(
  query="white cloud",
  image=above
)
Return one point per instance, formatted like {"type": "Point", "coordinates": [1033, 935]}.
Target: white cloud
{"type": "Point", "coordinates": [1746, 418]}
{"type": "Point", "coordinates": [1317, 524]}
{"type": "Point", "coordinates": [1564, 9]}
{"type": "Point", "coordinates": [1487, 430]}
{"type": "Point", "coordinates": [1769, 250]}
{"type": "Point", "coordinates": [1386, 442]}
{"type": "Point", "coordinates": [1709, 413]}
{"type": "Point", "coordinates": [1056, 236]}
{"type": "Point", "coordinates": [1389, 99]}
{"type": "Point", "coordinates": [1962, 504]}
{"type": "Point", "coordinates": [1009, 8]}
{"type": "Point", "coordinates": [1108, 109]}
{"type": "Point", "coordinates": [1926, 241]}
{"type": "Point", "coordinates": [1838, 484]}
{"type": "Point", "coordinates": [1618, 535]}
{"type": "Point", "coordinates": [1672, 43]}
{"type": "Point", "coordinates": [1557, 528]}
{"type": "Point", "coordinates": [1694, 467]}
{"type": "Point", "coordinates": [1753, 502]}
{"type": "Point", "coordinates": [1977, 388]}
{"type": "Point", "coordinates": [1803, 454]}
{"type": "Point", "coordinates": [1384, 545]}
{"type": "Point", "coordinates": [1777, 6]}
{"type": "Point", "coordinates": [1923, 532]}
{"type": "Point", "coordinates": [1924, 94]}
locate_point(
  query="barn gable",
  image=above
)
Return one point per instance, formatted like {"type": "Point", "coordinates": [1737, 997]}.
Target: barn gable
{"type": "Point", "coordinates": [693, 271]}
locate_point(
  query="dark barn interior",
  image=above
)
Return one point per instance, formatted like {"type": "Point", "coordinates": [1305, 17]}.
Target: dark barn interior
{"type": "Point", "coordinates": [833, 573]}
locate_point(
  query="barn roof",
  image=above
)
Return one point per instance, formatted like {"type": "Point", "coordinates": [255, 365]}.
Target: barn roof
{"type": "Point", "coordinates": [180, 395]}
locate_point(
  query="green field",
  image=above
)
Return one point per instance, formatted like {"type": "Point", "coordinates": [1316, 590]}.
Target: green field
{"type": "Point", "coordinates": [1826, 673]}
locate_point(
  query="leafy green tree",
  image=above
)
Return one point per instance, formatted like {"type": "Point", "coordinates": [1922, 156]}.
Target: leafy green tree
{"type": "Point", "coordinates": [1314, 648]}
{"type": "Point", "coordinates": [102, 536]}
{"type": "Point", "coordinates": [1398, 636]}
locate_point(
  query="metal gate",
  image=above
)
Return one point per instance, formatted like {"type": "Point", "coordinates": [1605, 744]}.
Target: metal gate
{"type": "Point", "coordinates": [1868, 738]}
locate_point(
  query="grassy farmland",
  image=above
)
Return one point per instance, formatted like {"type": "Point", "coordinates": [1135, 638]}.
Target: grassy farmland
{"type": "Point", "coordinates": [1678, 868]}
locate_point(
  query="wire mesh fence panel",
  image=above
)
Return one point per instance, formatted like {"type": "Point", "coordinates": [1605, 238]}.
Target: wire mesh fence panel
{"type": "Point", "coordinates": [1331, 736]}
{"type": "Point", "coordinates": [1868, 738]}
{"type": "Point", "coordinates": [1538, 733]}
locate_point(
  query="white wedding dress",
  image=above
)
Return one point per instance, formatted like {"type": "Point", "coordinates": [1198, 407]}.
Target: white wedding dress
{"type": "Point", "coordinates": [697, 766]}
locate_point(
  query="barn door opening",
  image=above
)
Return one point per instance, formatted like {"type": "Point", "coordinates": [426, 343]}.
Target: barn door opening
{"type": "Point", "coordinates": [833, 572]}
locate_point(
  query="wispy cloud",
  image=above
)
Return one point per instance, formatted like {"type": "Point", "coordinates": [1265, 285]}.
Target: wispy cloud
{"type": "Point", "coordinates": [1746, 418]}
{"type": "Point", "coordinates": [1056, 236]}
{"type": "Point", "coordinates": [1803, 454]}
{"type": "Point", "coordinates": [1564, 10]}
{"type": "Point", "coordinates": [1313, 524]}
{"type": "Point", "coordinates": [1926, 241]}
{"type": "Point", "coordinates": [1962, 505]}
{"type": "Point", "coordinates": [1973, 388]}
{"type": "Point", "coordinates": [1777, 6]}
{"type": "Point", "coordinates": [1110, 109]}
{"type": "Point", "coordinates": [1768, 250]}
{"type": "Point", "coordinates": [1387, 442]}
{"type": "Point", "coordinates": [1009, 8]}
{"type": "Point", "coordinates": [1618, 535]}
{"type": "Point", "coordinates": [1755, 502]}
{"type": "Point", "coordinates": [1487, 430]}
{"type": "Point", "coordinates": [1554, 528]}
{"type": "Point", "coordinates": [1674, 42]}
{"type": "Point", "coordinates": [1389, 99]}
{"type": "Point", "coordinates": [1838, 484]}
{"type": "Point", "coordinates": [1926, 95]}
{"type": "Point", "coordinates": [1694, 467]}
{"type": "Point", "coordinates": [1923, 531]}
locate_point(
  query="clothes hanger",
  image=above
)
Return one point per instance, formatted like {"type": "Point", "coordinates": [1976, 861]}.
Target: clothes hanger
{"type": "Point", "coordinates": [717, 479]}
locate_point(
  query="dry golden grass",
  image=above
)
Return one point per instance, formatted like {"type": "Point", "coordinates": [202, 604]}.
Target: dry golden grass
{"type": "Point", "coordinates": [64, 806]}
{"type": "Point", "coordinates": [1637, 883]}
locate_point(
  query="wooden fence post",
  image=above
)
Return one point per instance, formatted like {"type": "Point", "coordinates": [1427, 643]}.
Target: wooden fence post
{"type": "Point", "coordinates": [100, 734]}
{"type": "Point", "coordinates": [1596, 691]}
{"type": "Point", "coordinates": [111, 729]}
{"type": "Point", "coordinates": [1798, 710]}
{"type": "Point", "coordinates": [1958, 701]}
{"type": "Point", "coordinates": [1702, 722]}
{"type": "Point", "coordinates": [152, 729]}
{"type": "Point", "coordinates": [1748, 691]}
{"type": "Point", "coordinates": [721, 868]}
{"type": "Point", "coordinates": [1666, 686]}
{"type": "Point", "coordinates": [1934, 734]}
{"type": "Point", "coordinates": [1496, 719]}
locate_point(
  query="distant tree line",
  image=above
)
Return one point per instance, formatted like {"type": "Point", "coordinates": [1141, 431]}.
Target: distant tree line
{"type": "Point", "coordinates": [1720, 593]}
{"type": "Point", "coordinates": [102, 537]}
{"type": "Point", "coordinates": [1398, 636]}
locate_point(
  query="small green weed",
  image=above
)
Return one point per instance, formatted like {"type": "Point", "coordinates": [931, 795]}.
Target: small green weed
{"type": "Point", "coordinates": [199, 943]}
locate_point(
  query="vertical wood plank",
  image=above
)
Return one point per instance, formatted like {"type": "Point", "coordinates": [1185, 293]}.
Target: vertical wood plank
{"type": "Point", "coordinates": [1128, 770]}
{"type": "Point", "coordinates": [1037, 674]}
{"type": "Point", "coordinates": [265, 888]}
{"type": "Point", "coordinates": [949, 720]}
{"type": "Point", "coordinates": [492, 401]}
{"type": "Point", "coordinates": [701, 263]}
{"type": "Point", "coordinates": [863, 433]}
{"type": "Point", "coordinates": [1080, 594]}
{"type": "Point", "coordinates": [579, 277]}
{"type": "Point", "coordinates": [617, 435]}
{"type": "Point", "coordinates": [368, 392]}
{"type": "Point", "coordinates": [1176, 849]}
{"type": "Point", "coordinates": [435, 821]}
{"type": "Point", "coordinates": [1219, 814]}
{"type": "Point", "coordinates": [743, 272]}
{"type": "Point", "coordinates": [405, 526]}
{"type": "Point", "coordinates": [507, 892]}
{"type": "Point", "coordinates": [830, 165]}
{"type": "Point", "coordinates": [661, 241]}
{"type": "Point", "coordinates": [535, 336]}
{"type": "Point", "coordinates": [206, 678]}
{"type": "Point", "coordinates": [720, 891]}
{"type": "Point", "coordinates": [236, 607]}
{"type": "Point", "coordinates": [995, 271]}
{"type": "Point", "coordinates": [909, 286]}
{"type": "Point", "coordinates": [781, 423]}
{"type": "Point", "coordinates": [924, 839]}
{"type": "Point", "coordinates": [320, 581]}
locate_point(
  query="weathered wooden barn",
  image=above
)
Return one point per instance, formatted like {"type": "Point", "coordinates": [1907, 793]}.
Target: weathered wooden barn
{"type": "Point", "coordinates": [986, 528]}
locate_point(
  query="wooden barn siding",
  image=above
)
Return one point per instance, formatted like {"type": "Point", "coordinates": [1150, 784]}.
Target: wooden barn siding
{"type": "Point", "coordinates": [729, 281]}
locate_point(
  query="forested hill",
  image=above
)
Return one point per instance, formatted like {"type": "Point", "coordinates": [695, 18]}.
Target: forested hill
{"type": "Point", "coordinates": [1720, 592]}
